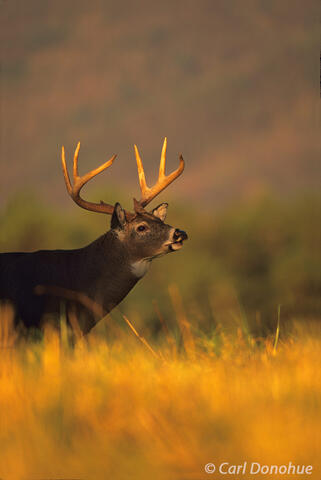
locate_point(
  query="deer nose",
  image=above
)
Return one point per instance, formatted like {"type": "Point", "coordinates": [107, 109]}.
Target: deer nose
{"type": "Point", "coordinates": [180, 235]}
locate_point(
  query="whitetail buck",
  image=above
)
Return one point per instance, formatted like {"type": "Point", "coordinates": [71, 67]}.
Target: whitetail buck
{"type": "Point", "coordinates": [93, 279]}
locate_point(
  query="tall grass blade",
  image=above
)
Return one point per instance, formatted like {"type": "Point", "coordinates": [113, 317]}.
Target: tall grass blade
{"type": "Point", "coordinates": [277, 333]}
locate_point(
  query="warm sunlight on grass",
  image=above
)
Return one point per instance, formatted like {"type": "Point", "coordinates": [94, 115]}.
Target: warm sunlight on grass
{"type": "Point", "coordinates": [118, 409]}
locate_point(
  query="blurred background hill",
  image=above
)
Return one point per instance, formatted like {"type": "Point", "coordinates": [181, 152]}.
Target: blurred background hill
{"type": "Point", "coordinates": [234, 87]}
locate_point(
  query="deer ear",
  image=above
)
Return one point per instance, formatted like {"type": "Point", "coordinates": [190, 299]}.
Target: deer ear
{"type": "Point", "coordinates": [118, 219]}
{"type": "Point", "coordinates": [160, 211]}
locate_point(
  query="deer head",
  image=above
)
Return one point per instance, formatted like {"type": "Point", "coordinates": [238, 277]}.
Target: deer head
{"type": "Point", "coordinates": [144, 234]}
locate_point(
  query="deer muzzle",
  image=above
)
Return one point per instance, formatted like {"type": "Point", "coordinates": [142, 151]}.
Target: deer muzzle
{"type": "Point", "coordinates": [178, 237]}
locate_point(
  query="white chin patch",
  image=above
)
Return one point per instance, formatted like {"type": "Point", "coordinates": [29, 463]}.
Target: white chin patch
{"type": "Point", "coordinates": [140, 267]}
{"type": "Point", "coordinates": [176, 246]}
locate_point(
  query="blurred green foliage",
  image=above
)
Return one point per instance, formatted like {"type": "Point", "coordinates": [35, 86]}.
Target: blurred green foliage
{"type": "Point", "coordinates": [242, 261]}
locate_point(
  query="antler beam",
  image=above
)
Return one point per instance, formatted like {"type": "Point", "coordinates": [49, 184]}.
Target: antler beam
{"type": "Point", "coordinates": [147, 194]}
{"type": "Point", "coordinates": [79, 182]}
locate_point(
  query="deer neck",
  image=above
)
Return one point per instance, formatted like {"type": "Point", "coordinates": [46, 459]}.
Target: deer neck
{"type": "Point", "coordinates": [140, 267]}
{"type": "Point", "coordinates": [117, 273]}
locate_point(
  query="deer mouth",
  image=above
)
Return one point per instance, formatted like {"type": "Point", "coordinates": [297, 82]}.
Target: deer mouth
{"type": "Point", "coordinates": [178, 238]}
{"type": "Point", "coordinates": [175, 245]}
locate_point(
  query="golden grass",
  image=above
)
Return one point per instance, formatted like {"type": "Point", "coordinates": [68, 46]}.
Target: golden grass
{"type": "Point", "coordinates": [119, 410]}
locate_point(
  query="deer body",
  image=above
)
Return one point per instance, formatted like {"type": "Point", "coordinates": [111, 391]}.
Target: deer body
{"type": "Point", "coordinates": [93, 279]}
{"type": "Point", "coordinates": [101, 271]}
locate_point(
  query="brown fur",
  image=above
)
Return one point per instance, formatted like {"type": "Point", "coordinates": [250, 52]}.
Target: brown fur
{"type": "Point", "coordinates": [99, 274]}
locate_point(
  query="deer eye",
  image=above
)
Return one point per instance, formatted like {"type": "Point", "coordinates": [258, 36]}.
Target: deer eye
{"type": "Point", "coordinates": [141, 228]}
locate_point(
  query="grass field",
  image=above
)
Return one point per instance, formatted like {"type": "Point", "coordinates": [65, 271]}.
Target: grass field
{"type": "Point", "coordinates": [120, 406]}
{"type": "Point", "coordinates": [190, 369]}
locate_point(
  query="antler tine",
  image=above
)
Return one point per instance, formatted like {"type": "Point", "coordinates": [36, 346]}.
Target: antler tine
{"type": "Point", "coordinates": [148, 194]}
{"type": "Point", "coordinates": [65, 171]}
{"type": "Point", "coordinates": [75, 164]}
{"type": "Point", "coordinates": [88, 176]}
{"type": "Point", "coordinates": [79, 182]}
{"type": "Point", "coordinates": [141, 173]}
{"type": "Point", "coordinates": [163, 160]}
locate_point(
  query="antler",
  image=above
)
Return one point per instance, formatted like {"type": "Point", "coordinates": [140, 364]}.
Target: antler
{"type": "Point", "coordinates": [147, 194]}
{"type": "Point", "coordinates": [79, 182]}
{"type": "Point", "coordinates": [163, 181]}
